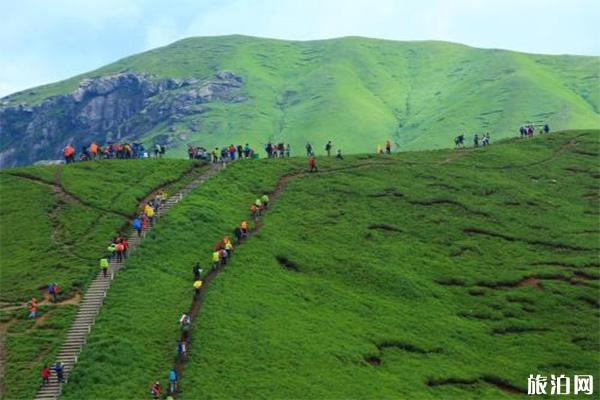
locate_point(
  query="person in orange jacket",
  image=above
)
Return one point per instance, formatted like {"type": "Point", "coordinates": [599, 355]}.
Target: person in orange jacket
{"type": "Point", "coordinates": [69, 152]}
{"type": "Point", "coordinates": [94, 150]}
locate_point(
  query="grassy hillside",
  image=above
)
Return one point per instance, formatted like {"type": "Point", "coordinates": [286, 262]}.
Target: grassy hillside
{"type": "Point", "coordinates": [55, 223]}
{"type": "Point", "coordinates": [359, 92]}
{"type": "Point", "coordinates": [440, 274]}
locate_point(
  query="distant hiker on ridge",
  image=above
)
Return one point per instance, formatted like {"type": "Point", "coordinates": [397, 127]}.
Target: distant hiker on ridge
{"type": "Point", "coordinates": [328, 148]}
{"type": "Point", "coordinates": [312, 167]}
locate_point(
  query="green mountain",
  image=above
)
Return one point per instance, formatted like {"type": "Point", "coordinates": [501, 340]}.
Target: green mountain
{"type": "Point", "coordinates": [438, 274]}
{"type": "Point", "coordinates": [355, 91]}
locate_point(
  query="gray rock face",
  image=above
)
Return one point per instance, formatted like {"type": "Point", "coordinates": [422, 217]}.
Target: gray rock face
{"type": "Point", "coordinates": [116, 107]}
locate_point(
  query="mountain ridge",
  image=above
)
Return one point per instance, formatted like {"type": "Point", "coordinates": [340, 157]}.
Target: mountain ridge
{"type": "Point", "coordinates": [357, 91]}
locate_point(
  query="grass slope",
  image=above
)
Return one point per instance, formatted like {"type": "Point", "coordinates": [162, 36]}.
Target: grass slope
{"type": "Point", "coordinates": [420, 94]}
{"type": "Point", "coordinates": [55, 224]}
{"type": "Point", "coordinates": [451, 274]}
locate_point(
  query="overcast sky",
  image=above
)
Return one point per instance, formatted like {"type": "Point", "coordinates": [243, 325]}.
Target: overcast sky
{"type": "Point", "coordinates": [42, 41]}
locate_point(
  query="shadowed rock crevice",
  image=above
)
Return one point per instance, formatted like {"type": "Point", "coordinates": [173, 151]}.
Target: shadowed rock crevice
{"type": "Point", "coordinates": [515, 329]}
{"type": "Point", "coordinates": [287, 264]}
{"type": "Point", "coordinates": [434, 202]}
{"type": "Point", "coordinates": [500, 383]}
{"type": "Point", "coordinates": [408, 347]}
{"type": "Point", "coordinates": [385, 227]}
{"type": "Point", "coordinates": [553, 245]}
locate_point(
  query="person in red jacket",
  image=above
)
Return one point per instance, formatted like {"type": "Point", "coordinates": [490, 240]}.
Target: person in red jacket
{"type": "Point", "coordinates": [119, 249]}
{"type": "Point", "coordinates": [45, 374]}
{"type": "Point", "coordinates": [311, 164]}
{"type": "Point", "coordinates": [125, 247]}
{"type": "Point", "coordinates": [69, 152]}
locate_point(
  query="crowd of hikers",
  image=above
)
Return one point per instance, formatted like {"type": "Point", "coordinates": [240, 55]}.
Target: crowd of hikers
{"type": "Point", "coordinates": [525, 131]}
{"type": "Point", "coordinates": [225, 154]}
{"type": "Point", "coordinates": [529, 130]}
{"type": "Point", "coordinates": [221, 256]}
{"type": "Point", "coordinates": [484, 140]}
{"type": "Point", "coordinates": [111, 150]}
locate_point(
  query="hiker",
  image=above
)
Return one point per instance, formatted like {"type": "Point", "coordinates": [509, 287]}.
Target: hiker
{"type": "Point", "coordinates": [309, 150]}
{"type": "Point", "coordinates": [229, 248]}
{"type": "Point", "coordinates": [145, 224]}
{"type": "Point", "coordinates": [339, 155]}
{"type": "Point", "coordinates": [232, 152]}
{"type": "Point", "coordinates": [388, 146]}
{"type": "Point", "coordinates": [265, 200]}
{"type": "Point", "coordinates": [216, 259]}
{"type": "Point", "coordinates": [125, 244]}
{"type": "Point", "coordinates": [197, 285]}
{"type": "Point", "coordinates": [119, 249]}
{"type": "Point", "coordinates": [476, 141]}
{"type": "Point", "coordinates": [237, 232]}
{"type": "Point", "coordinates": [69, 153]}
{"type": "Point", "coordinates": [104, 266]}
{"type": "Point", "coordinates": [137, 225]}
{"type": "Point", "coordinates": [281, 148]}
{"type": "Point", "coordinates": [45, 374]}
{"type": "Point", "coordinates": [287, 150]}
{"type": "Point", "coordinates": [459, 141]}
{"type": "Point", "coordinates": [253, 211]}
{"type": "Point", "coordinates": [185, 322]}
{"type": "Point", "coordinates": [328, 148]}
{"type": "Point", "coordinates": [53, 290]}
{"type": "Point", "coordinates": [259, 206]}
{"type": "Point", "coordinates": [224, 257]}
{"type": "Point", "coordinates": [94, 150]}
{"type": "Point", "coordinates": [246, 151]}
{"type": "Point", "coordinates": [155, 390]}
{"type": "Point", "coordinates": [149, 211]}
{"type": "Point", "coordinates": [486, 139]}
{"type": "Point", "coordinates": [32, 307]}
{"type": "Point", "coordinates": [244, 229]}
{"type": "Point", "coordinates": [112, 248]}
{"type": "Point", "coordinates": [184, 319]}
{"type": "Point", "coordinates": [172, 380]}
{"type": "Point", "coordinates": [60, 370]}
{"type": "Point", "coordinates": [546, 128]}
{"type": "Point", "coordinates": [530, 131]}
{"type": "Point", "coordinates": [181, 350]}
{"type": "Point", "coordinates": [311, 164]}
{"type": "Point", "coordinates": [197, 271]}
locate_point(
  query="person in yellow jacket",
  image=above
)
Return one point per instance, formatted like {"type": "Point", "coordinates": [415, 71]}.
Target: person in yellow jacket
{"type": "Point", "coordinates": [197, 286]}
{"type": "Point", "coordinates": [149, 211]}
{"type": "Point", "coordinates": [104, 265]}
{"type": "Point", "coordinates": [259, 206]}
{"type": "Point", "coordinates": [216, 258]}
{"type": "Point", "coordinates": [379, 149]}
{"type": "Point", "coordinates": [229, 248]}
{"type": "Point", "coordinates": [265, 200]}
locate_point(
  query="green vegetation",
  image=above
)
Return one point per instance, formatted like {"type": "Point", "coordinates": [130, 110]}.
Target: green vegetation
{"type": "Point", "coordinates": [55, 223]}
{"type": "Point", "coordinates": [359, 92]}
{"type": "Point", "coordinates": [440, 274]}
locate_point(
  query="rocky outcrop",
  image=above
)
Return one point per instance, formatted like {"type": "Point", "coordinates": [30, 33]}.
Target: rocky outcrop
{"type": "Point", "coordinates": [117, 107]}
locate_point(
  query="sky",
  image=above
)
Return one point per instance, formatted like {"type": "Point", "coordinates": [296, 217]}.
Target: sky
{"type": "Point", "coordinates": [43, 41]}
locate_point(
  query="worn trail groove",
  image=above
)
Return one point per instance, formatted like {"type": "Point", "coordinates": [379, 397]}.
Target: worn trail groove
{"type": "Point", "coordinates": [198, 299]}
{"type": "Point", "coordinates": [94, 297]}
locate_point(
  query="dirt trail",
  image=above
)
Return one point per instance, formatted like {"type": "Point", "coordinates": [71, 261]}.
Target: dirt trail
{"type": "Point", "coordinates": [280, 187]}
